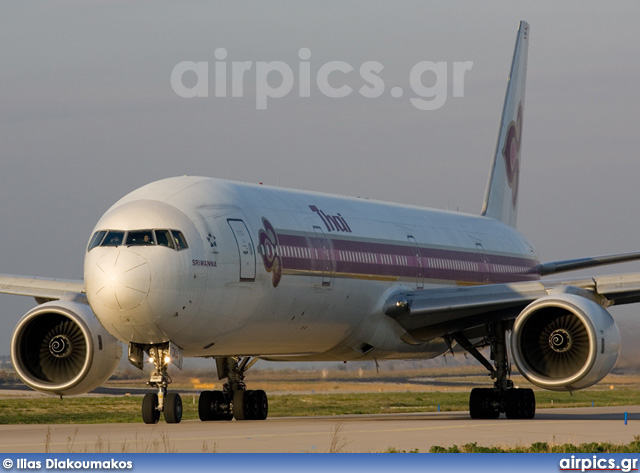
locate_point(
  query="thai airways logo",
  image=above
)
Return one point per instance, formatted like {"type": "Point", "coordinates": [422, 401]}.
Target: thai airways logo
{"type": "Point", "coordinates": [268, 249]}
{"type": "Point", "coordinates": [511, 153]}
{"type": "Point", "coordinates": [334, 223]}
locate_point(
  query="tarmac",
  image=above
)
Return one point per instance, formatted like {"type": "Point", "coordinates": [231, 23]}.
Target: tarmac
{"type": "Point", "coordinates": [353, 433]}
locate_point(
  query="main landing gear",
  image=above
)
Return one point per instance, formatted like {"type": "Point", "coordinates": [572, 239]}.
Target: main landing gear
{"type": "Point", "coordinates": [169, 403]}
{"type": "Point", "coordinates": [235, 400]}
{"type": "Point", "coordinates": [489, 403]}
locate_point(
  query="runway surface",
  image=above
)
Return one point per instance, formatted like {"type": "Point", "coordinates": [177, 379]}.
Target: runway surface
{"type": "Point", "coordinates": [362, 433]}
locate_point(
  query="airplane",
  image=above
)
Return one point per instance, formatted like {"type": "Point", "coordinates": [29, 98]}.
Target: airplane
{"type": "Point", "coordinates": [202, 267]}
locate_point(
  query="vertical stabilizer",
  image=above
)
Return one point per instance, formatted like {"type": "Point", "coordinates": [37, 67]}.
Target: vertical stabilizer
{"type": "Point", "coordinates": [501, 196]}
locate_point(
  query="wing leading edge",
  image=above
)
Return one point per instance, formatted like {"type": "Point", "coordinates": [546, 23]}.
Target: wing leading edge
{"type": "Point", "coordinates": [555, 267]}
{"type": "Point", "coordinates": [42, 289]}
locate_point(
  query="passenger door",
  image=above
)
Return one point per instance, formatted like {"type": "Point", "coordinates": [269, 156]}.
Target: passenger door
{"type": "Point", "coordinates": [245, 249]}
{"type": "Point", "coordinates": [325, 256]}
{"type": "Point", "coordinates": [419, 269]}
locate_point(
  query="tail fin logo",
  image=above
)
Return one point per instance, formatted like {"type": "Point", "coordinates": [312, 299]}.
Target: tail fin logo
{"type": "Point", "coordinates": [511, 153]}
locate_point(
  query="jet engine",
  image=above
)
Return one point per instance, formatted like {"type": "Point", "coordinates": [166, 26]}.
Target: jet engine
{"type": "Point", "coordinates": [565, 342]}
{"type": "Point", "coordinates": [60, 347]}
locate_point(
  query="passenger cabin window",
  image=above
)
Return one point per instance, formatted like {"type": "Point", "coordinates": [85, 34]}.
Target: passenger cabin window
{"type": "Point", "coordinates": [173, 239]}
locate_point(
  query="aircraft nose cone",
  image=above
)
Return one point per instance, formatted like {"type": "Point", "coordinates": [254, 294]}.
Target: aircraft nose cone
{"type": "Point", "coordinates": [121, 279]}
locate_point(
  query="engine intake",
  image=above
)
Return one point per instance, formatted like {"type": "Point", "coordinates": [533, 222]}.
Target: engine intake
{"type": "Point", "coordinates": [60, 347]}
{"type": "Point", "coordinates": [565, 342]}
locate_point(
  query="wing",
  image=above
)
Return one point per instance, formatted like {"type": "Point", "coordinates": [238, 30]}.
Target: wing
{"type": "Point", "coordinates": [582, 263]}
{"type": "Point", "coordinates": [437, 312]}
{"type": "Point", "coordinates": [42, 289]}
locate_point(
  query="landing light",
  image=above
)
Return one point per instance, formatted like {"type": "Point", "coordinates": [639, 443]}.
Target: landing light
{"type": "Point", "coordinates": [166, 359]}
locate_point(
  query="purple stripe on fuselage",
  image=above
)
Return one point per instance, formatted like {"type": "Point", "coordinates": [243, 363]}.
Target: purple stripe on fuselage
{"type": "Point", "coordinates": [352, 258]}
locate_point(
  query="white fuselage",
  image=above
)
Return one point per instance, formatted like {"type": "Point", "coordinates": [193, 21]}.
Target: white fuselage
{"type": "Point", "coordinates": [282, 274]}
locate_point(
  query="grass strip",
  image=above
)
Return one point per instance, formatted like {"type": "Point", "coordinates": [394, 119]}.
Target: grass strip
{"type": "Point", "coordinates": [541, 447]}
{"type": "Point", "coordinates": [93, 410]}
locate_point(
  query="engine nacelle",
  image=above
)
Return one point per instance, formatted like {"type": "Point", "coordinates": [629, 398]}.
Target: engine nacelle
{"type": "Point", "coordinates": [60, 347]}
{"type": "Point", "coordinates": [565, 342]}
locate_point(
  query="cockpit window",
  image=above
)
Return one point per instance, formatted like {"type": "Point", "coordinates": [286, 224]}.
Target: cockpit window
{"type": "Point", "coordinates": [140, 238]}
{"type": "Point", "coordinates": [179, 239]}
{"type": "Point", "coordinates": [168, 238]}
{"type": "Point", "coordinates": [163, 237]}
{"type": "Point", "coordinates": [96, 239]}
{"type": "Point", "coordinates": [113, 238]}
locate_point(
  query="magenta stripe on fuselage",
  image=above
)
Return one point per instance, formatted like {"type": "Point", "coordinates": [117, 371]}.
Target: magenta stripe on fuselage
{"type": "Point", "coordinates": [354, 258]}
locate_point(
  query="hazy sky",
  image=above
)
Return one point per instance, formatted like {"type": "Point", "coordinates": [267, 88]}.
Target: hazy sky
{"type": "Point", "coordinates": [87, 114]}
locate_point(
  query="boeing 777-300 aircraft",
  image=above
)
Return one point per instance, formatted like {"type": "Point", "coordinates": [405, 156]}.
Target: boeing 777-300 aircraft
{"type": "Point", "coordinates": [198, 267]}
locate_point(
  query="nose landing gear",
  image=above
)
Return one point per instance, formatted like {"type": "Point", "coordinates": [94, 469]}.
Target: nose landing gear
{"type": "Point", "coordinates": [169, 403]}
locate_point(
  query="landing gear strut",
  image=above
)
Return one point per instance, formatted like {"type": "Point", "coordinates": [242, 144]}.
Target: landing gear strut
{"type": "Point", "coordinates": [169, 403]}
{"type": "Point", "coordinates": [235, 400]}
{"type": "Point", "coordinates": [488, 403]}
